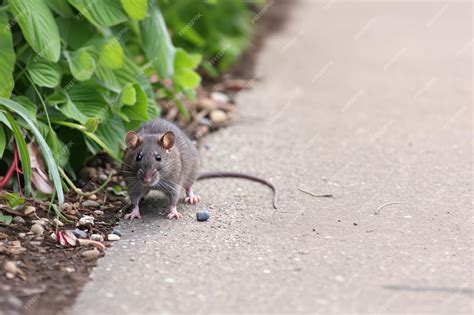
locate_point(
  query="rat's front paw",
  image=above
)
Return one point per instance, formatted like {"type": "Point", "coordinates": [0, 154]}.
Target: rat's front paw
{"type": "Point", "coordinates": [194, 199]}
{"type": "Point", "coordinates": [175, 214]}
{"type": "Point", "coordinates": [133, 215]}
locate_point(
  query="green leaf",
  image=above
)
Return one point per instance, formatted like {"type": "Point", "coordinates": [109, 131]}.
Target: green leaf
{"type": "Point", "coordinates": [137, 111]}
{"type": "Point", "coordinates": [92, 124]}
{"type": "Point", "coordinates": [81, 63]}
{"type": "Point", "coordinates": [187, 78]}
{"type": "Point", "coordinates": [136, 9]}
{"type": "Point", "coordinates": [70, 110]}
{"type": "Point", "coordinates": [157, 43]}
{"type": "Point", "coordinates": [47, 155]}
{"type": "Point", "coordinates": [28, 105]}
{"type": "Point", "coordinates": [75, 32]}
{"type": "Point", "coordinates": [129, 95]}
{"type": "Point", "coordinates": [3, 141]}
{"type": "Point", "coordinates": [38, 27]}
{"type": "Point", "coordinates": [5, 218]}
{"type": "Point", "coordinates": [44, 73]}
{"type": "Point", "coordinates": [59, 149]}
{"type": "Point", "coordinates": [61, 7]}
{"type": "Point", "coordinates": [111, 54]}
{"type": "Point", "coordinates": [88, 99]}
{"type": "Point", "coordinates": [13, 199]}
{"type": "Point", "coordinates": [103, 13]}
{"type": "Point", "coordinates": [7, 57]}
{"type": "Point", "coordinates": [182, 59]}
{"type": "Point", "coordinates": [108, 78]}
{"type": "Point", "coordinates": [21, 147]}
{"type": "Point", "coordinates": [112, 133]}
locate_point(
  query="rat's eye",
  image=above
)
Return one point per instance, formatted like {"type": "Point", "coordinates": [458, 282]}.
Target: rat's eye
{"type": "Point", "coordinates": [157, 157]}
{"type": "Point", "coordinates": [139, 157]}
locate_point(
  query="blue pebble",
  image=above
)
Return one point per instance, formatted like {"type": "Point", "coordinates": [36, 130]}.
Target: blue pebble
{"type": "Point", "coordinates": [202, 215]}
{"type": "Point", "coordinates": [117, 232]}
{"type": "Point", "coordinates": [79, 233]}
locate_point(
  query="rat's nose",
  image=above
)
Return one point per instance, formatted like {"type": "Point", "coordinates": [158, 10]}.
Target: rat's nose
{"type": "Point", "coordinates": [147, 179]}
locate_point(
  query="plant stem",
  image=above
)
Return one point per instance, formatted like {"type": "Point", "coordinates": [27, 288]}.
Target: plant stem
{"type": "Point", "coordinates": [13, 167]}
{"type": "Point", "coordinates": [78, 190]}
{"type": "Point", "coordinates": [89, 134]}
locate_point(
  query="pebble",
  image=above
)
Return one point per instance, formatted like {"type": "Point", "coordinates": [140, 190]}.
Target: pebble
{"type": "Point", "coordinates": [113, 237]}
{"type": "Point", "coordinates": [99, 212]}
{"type": "Point", "coordinates": [30, 210]}
{"type": "Point", "coordinates": [202, 215]}
{"type": "Point", "coordinates": [97, 237]}
{"type": "Point", "coordinates": [79, 233]}
{"type": "Point", "coordinates": [103, 177]}
{"type": "Point", "coordinates": [92, 197]}
{"type": "Point", "coordinates": [91, 254]}
{"type": "Point", "coordinates": [86, 220]}
{"type": "Point", "coordinates": [207, 103]}
{"type": "Point", "coordinates": [18, 220]}
{"type": "Point", "coordinates": [218, 116]}
{"type": "Point", "coordinates": [37, 229]}
{"type": "Point", "coordinates": [57, 222]}
{"type": "Point", "coordinates": [21, 235]}
{"type": "Point", "coordinates": [117, 232]}
{"type": "Point", "coordinates": [90, 203]}
{"type": "Point", "coordinates": [220, 98]}
{"type": "Point", "coordinates": [66, 206]}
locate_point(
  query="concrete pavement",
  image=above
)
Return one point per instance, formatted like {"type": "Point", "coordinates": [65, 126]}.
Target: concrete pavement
{"type": "Point", "coordinates": [368, 101]}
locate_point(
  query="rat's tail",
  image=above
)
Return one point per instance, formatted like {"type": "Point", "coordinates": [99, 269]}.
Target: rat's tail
{"type": "Point", "coordinates": [241, 175]}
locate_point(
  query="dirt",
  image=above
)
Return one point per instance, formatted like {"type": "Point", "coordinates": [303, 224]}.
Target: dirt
{"type": "Point", "coordinates": [52, 275]}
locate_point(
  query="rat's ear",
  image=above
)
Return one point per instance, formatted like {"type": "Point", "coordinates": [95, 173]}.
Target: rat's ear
{"type": "Point", "coordinates": [132, 140]}
{"type": "Point", "coordinates": [167, 140]}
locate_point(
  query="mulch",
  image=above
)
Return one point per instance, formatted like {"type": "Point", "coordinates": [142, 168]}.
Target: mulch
{"type": "Point", "coordinates": [49, 276]}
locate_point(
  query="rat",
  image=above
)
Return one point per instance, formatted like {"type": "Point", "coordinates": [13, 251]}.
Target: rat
{"type": "Point", "coordinates": [159, 156]}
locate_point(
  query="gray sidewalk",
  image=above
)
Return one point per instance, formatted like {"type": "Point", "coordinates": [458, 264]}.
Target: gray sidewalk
{"type": "Point", "coordinates": [368, 101]}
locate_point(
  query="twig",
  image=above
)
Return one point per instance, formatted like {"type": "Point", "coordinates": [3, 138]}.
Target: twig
{"type": "Point", "coordinates": [384, 205]}
{"type": "Point", "coordinates": [314, 195]}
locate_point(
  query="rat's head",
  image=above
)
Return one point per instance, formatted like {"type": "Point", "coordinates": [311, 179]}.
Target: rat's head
{"type": "Point", "coordinates": [148, 155]}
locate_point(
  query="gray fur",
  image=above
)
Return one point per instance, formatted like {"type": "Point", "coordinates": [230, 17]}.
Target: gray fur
{"type": "Point", "coordinates": [177, 169]}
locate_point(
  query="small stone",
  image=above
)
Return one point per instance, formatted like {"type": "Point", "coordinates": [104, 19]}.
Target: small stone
{"type": "Point", "coordinates": [218, 116]}
{"type": "Point", "coordinates": [37, 229]}
{"type": "Point", "coordinates": [206, 103]}
{"type": "Point", "coordinates": [103, 177]}
{"type": "Point", "coordinates": [220, 98]}
{"type": "Point", "coordinates": [113, 237]}
{"type": "Point", "coordinates": [202, 215]}
{"type": "Point", "coordinates": [97, 237]}
{"type": "Point", "coordinates": [30, 210]}
{"type": "Point", "coordinates": [86, 220]}
{"type": "Point", "coordinates": [90, 204]}
{"type": "Point", "coordinates": [57, 222]}
{"type": "Point", "coordinates": [92, 197]}
{"type": "Point", "coordinates": [117, 232]}
{"type": "Point", "coordinates": [18, 220]}
{"type": "Point", "coordinates": [66, 206]}
{"type": "Point", "coordinates": [91, 254]}
{"type": "Point", "coordinates": [79, 233]}
{"type": "Point", "coordinates": [12, 270]}
{"type": "Point", "coordinates": [99, 212]}
{"type": "Point", "coordinates": [21, 235]}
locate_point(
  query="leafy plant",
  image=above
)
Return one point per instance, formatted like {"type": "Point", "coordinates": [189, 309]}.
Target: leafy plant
{"type": "Point", "coordinates": [219, 30]}
{"type": "Point", "coordinates": [75, 75]}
